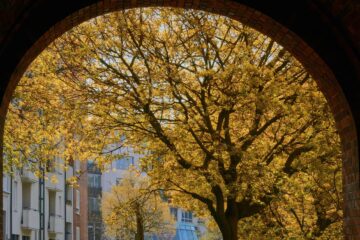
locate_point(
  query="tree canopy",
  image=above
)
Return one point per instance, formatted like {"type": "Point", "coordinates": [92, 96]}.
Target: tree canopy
{"type": "Point", "coordinates": [232, 124]}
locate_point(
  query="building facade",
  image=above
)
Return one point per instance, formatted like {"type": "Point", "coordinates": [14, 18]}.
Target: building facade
{"type": "Point", "coordinates": [41, 208]}
{"type": "Point", "coordinates": [187, 226]}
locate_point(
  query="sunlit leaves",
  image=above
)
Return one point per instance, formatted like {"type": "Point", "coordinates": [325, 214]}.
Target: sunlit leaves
{"type": "Point", "coordinates": [226, 116]}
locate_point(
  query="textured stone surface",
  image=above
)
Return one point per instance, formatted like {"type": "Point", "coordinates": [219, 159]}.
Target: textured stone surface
{"type": "Point", "coordinates": [323, 34]}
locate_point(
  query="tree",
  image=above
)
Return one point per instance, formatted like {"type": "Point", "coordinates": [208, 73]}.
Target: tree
{"type": "Point", "coordinates": [130, 211]}
{"type": "Point", "coordinates": [233, 125]}
{"type": "Point", "coordinates": [45, 122]}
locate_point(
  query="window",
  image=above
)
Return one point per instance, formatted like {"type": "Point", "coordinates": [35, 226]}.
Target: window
{"type": "Point", "coordinates": [77, 201]}
{"type": "Point", "coordinates": [52, 203]}
{"type": "Point", "coordinates": [90, 232]}
{"type": "Point", "coordinates": [187, 232]}
{"type": "Point", "coordinates": [92, 168]}
{"type": "Point", "coordinates": [124, 163]}
{"type": "Point", "coordinates": [68, 231]}
{"type": "Point", "coordinates": [94, 180]}
{"type": "Point", "coordinates": [90, 164]}
{"type": "Point", "coordinates": [26, 238]}
{"type": "Point", "coordinates": [94, 205]}
{"type": "Point", "coordinates": [26, 195]}
{"type": "Point", "coordinates": [14, 237]}
{"type": "Point", "coordinates": [95, 230]}
{"type": "Point", "coordinates": [98, 232]}
{"type": "Point", "coordinates": [69, 193]}
{"type": "Point", "coordinates": [173, 212]}
{"type": "Point", "coordinates": [186, 217]}
{"type": "Point", "coordinates": [201, 221]}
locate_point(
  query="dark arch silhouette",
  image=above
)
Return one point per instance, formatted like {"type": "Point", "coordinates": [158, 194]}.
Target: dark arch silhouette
{"type": "Point", "coordinates": [322, 34]}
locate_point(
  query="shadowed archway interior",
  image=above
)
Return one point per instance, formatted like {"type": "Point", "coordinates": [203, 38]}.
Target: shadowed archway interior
{"type": "Point", "coordinates": [334, 64]}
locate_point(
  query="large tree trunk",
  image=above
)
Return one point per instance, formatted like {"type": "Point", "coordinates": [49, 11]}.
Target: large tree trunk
{"type": "Point", "coordinates": [139, 224]}
{"type": "Point", "coordinates": [229, 231]}
{"type": "Point", "coordinates": [228, 221]}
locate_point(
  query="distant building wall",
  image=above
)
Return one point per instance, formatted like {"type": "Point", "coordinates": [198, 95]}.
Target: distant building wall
{"type": "Point", "coordinates": [22, 201]}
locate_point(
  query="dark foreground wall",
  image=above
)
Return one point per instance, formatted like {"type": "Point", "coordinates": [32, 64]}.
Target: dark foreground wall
{"type": "Point", "coordinates": [323, 34]}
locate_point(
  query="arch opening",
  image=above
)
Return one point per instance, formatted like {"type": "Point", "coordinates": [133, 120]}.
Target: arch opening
{"type": "Point", "coordinates": [326, 82]}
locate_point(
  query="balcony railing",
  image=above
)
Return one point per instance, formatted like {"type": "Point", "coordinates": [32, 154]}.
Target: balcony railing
{"type": "Point", "coordinates": [28, 176]}
{"type": "Point", "coordinates": [56, 224]}
{"type": "Point", "coordinates": [30, 218]}
{"type": "Point", "coordinates": [54, 186]}
{"type": "Point", "coordinates": [69, 213]}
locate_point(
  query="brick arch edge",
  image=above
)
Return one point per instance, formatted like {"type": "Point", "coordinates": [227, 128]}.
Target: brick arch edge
{"type": "Point", "coordinates": [325, 78]}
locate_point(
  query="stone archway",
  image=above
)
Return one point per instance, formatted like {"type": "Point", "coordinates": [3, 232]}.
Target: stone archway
{"type": "Point", "coordinates": [342, 105]}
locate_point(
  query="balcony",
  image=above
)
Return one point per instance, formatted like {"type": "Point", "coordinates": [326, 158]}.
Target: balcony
{"type": "Point", "coordinates": [30, 219]}
{"type": "Point", "coordinates": [28, 176]}
{"type": "Point", "coordinates": [54, 186]}
{"type": "Point", "coordinates": [69, 194]}
{"type": "Point", "coordinates": [56, 224]}
{"type": "Point", "coordinates": [69, 213]}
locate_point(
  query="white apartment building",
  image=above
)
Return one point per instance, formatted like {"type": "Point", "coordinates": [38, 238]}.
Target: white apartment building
{"type": "Point", "coordinates": [38, 209]}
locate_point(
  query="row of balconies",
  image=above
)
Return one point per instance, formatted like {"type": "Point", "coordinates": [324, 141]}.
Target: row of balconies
{"type": "Point", "coordinates": [28, 176]}
{"type": "Point", "coordinates": [30, 219]}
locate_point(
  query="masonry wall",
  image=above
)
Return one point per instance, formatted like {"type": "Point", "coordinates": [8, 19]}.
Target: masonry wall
{"type": "Point", "coordinates": [331, 28]}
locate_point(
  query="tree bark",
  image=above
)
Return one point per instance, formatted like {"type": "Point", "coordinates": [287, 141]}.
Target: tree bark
{"type": "Point", "coordinates": [229, 229]}
{"type": "Point", "coordinates": [139, 224]}
{"type": "Point", "coordinates": [228, 221]}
